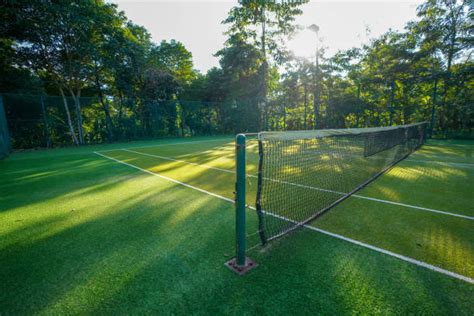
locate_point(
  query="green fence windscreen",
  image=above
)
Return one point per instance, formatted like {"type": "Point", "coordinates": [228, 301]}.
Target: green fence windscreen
{"type": "Point", "coordinates": [4, 135]}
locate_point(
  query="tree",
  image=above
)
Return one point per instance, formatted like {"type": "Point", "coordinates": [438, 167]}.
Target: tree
{"type": "Point", "coordinates": [104, 56]}
{"type": "Point", "coordinates": [60, 40]}
{"type": "Point", "coordinates": [264, 24]}
{"type": "Point", "coordinates": [445, 29]}
{"type": "Point", "coordinates": [174, 58]}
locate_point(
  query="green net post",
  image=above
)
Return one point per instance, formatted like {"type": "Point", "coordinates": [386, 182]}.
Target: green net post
{"type": "Point", "coordinates": [433, 108]}
{"type": "Point", "coordinates": [240, 198]}
{"type": "Point", "coordinates": [240, 264]}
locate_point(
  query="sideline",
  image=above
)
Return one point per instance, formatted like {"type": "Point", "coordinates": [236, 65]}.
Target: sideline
{"type": "Point", "coordinates": [168, 144]}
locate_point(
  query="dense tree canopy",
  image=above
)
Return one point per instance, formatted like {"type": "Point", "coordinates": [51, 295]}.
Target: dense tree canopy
{"type": "Point", "coordinates": [81, 72]}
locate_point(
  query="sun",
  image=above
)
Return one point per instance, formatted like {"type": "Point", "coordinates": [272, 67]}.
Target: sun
{"type": "Point", "coordinates": [303, 44]}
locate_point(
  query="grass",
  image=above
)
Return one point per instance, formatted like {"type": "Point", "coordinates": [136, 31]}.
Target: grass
{"type": "Point", "coordinates": [82, 234]}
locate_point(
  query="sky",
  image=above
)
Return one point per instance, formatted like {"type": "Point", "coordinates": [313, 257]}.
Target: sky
{"type": "Point", "coordinates": [197, 23]}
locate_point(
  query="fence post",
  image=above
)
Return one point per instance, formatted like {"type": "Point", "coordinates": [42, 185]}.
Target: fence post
{"type": "Point", "coordinates": [240, 264]}
{"type": "Point", "coordinates": [433, 107]}
{"type": "Point", "coordinates": [392, 96]}
{"type": "Point", "coordinates": [45, 121]}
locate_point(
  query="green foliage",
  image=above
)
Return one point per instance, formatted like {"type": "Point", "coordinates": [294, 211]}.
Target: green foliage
{"type": "Point", "coordinates": [423, 73]}
{"type": "Point", "coordinates": [264, 25]}
{"type": "Point", "coordinates": [88, 50]}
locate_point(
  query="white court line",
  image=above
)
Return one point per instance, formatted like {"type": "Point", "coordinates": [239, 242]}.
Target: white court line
{"type": "Point", "coordinates": [309, 187]}
{"type": "Point", "coordinates": [166, 178]}
{"type": "Point", "coordinates": [167, 144]}
{"type": "Point", "coordinates": [177, 160]}
{"type": "Point", "coordinates": [350, 240]}
{"type": "Point", "coordinates": [396, 255]}
{"type": "Point", "coordinates": [449, 163]}
{"type": "Point", "coordinates": [414, 207]}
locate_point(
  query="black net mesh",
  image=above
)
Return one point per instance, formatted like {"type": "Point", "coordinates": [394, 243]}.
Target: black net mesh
{"type": "Point", "coordinates": [303, 174]}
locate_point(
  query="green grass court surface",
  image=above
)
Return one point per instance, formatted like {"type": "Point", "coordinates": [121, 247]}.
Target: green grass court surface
{"type": "Point", "coordinates": [145, 227]}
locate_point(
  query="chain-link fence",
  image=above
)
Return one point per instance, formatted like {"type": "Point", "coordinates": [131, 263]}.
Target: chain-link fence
{"type": "Point", "coordinates": [50, 121]}
{"type": "Point", "coordinates": [34, 121]}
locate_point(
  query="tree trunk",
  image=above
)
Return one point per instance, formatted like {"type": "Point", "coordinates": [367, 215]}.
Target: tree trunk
{"type": "Point", "coordinates": [108, 121]}
{"type": "Point", "coordinates": [433, 106]}
{"type": "Point", "coordinates": [68, 116]}
{"type": "Point", "coordinates": [317, 92]}
{"type": "Point", "coordinates": [305, 106]}
{"type": "Point", "coordinates": [264, 71]}
{"type": "Point", "coordinates": [182, 119]}
{"type": "Point", "coordinates": [392, 96]}
{"type": "Point", "coordinates": [209, 117]}
{"type": "Point", "coordinates": [46, 123]}
{"type": "Point", "coordinates": [120, 111]}
{"type": "Point", "coordinates": [316, 112]}
{"type": "Point", "coordinates": [105, 106]}
{"type": "Point", "coordinates": [447, 77]}
{"type": "Point", "coordinates": [77, 105]}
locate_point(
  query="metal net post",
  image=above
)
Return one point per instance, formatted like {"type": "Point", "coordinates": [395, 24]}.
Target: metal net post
{"type": "Point", "coordinates": [240, 264]}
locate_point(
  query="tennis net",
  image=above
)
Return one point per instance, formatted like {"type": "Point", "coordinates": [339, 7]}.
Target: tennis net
{"type": "Point", "coordinates": [303, 174]}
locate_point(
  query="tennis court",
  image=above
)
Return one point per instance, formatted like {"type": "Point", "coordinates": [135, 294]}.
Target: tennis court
{"type": "Point", "coordinates": [129, 228]}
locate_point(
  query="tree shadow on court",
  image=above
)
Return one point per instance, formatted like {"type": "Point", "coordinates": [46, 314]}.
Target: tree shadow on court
{"type": "Point", "coordinates": [72, 253]}
{"type": "Point", "coordinates": [439, 187]}
{"type": "Point", "coordinates": [216, 181]}
{"type": "Point", "coordinates": [138, 244]}
{"type": "Point", "coordinates": [159, 247]}
{"type": "Point", "coordinates": [43, 180]}
{"type": "Point", "coordinates": [304, 274]}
